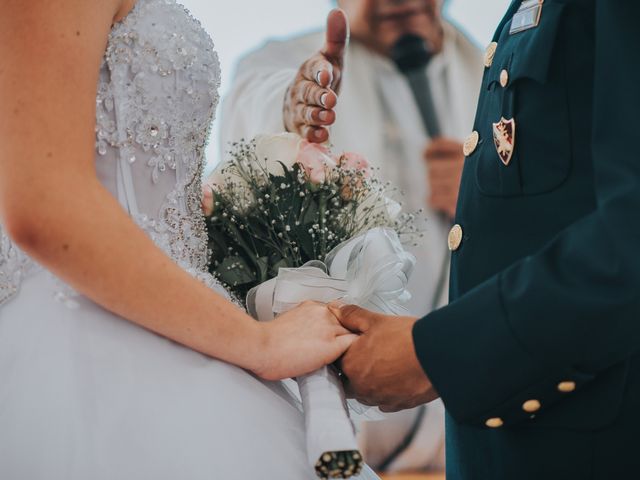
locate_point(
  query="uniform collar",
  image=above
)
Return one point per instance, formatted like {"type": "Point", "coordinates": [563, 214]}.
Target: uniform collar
{"type": "Point", "coordinates": [515, 4]}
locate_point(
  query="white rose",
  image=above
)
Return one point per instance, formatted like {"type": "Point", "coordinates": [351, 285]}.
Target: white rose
{"type": "Point", "coordinates": [394, 209]}
{"type": "Point", "coordinates": [377, 203]}
{"type": "Point", "coordinates": [223, 175]}
{"type": "Point", "coordinates": [271, 150]}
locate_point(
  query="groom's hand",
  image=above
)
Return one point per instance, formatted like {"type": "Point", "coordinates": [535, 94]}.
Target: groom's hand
{"type": "Point", "coordinates": [381, 367]}
{"type": "Point", "coordinates": [312, 96]}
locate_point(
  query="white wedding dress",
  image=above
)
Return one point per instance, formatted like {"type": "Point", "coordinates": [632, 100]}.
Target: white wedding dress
{"type": "Point", "coordinates": [87, 395]}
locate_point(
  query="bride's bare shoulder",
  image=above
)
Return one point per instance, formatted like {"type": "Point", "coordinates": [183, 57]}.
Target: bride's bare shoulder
{"type": "Point", "coordinates": [51, 55]}
{"type": "Point", "coordinates": [125, 8]}
{"type": "Point", "coordinates": [42, 29]}
{"type": "Point", "coordinates": [43, 13]}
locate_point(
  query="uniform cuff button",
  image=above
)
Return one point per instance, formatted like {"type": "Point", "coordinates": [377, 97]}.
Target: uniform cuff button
{"type": "Point", "coordinates": [494, 422]}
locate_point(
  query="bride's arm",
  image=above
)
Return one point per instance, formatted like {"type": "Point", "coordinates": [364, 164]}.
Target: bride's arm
{"type": "Point", "coordinates": [54, 207]}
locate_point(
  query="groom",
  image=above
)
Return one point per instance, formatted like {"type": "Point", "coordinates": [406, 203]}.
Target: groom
{"type": "Point", "coordinates": [537, 358]}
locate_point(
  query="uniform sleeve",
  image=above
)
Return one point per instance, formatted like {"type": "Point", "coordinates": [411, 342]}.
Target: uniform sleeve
{"type": "Point", "coordinates": [552, 322]}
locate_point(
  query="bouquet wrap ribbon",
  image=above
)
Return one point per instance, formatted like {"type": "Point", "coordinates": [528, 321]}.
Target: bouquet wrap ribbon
{"type": "Point", "coordinates": [371, 271]}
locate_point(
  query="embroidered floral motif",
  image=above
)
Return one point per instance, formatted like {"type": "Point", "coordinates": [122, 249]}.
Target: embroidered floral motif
{"type": "Point", "coordinates": [155, 102]}
{"type": "Point", "coordinates": [14, 266]}
{"type": "Point", "coordinates": [163, 74]}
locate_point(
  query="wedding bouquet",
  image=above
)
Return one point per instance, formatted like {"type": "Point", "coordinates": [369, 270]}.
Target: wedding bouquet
{"type": "Point", "coordinates": [288, 221]}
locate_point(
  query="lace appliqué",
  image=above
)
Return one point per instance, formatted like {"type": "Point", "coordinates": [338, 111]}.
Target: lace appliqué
{"type": "Point", "coordinates": [14, 267]}
{"type": "Point", "coordinates": [169, 78]}
{"type": "Point", "coordinates": [156, 102]}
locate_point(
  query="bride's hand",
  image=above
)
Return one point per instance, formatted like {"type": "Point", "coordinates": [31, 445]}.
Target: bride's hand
{"type": "Point", "coordinates": [312, 96]}
{"type": "Point", "coordinates": [300, 341]}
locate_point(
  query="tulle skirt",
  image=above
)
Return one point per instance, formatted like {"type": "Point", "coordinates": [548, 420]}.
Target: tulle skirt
{"type": "Point", "coordinates": [85, 394]}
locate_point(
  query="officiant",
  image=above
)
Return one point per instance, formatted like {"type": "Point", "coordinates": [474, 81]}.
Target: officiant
{"type": "Point", "coordinates": [407, 118]}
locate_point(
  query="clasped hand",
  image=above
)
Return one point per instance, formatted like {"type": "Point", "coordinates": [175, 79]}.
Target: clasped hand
{"type": "Point", "coordinates": [381, 367]}
{"type": "Point", "coordinates": [378, 358]}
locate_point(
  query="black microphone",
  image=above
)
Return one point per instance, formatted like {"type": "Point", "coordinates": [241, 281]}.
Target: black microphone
{"type": "Point", "coordinates": [412, 55]}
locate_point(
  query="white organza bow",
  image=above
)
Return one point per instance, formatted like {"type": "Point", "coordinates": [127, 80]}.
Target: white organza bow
{"type": "Point", "coordinates": [371, 271]}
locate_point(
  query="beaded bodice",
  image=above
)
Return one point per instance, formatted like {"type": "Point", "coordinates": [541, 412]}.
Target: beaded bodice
{"type": "Point", "coordinates": [156, 98]}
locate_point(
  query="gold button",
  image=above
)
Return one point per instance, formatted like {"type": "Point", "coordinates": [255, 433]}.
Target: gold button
{"type": "Point", "coordinates": [566, 387]}
{"type": "Point", "coordinates": [470, 144]}
{"type": "Point", "coordinates": [531, 406]}
{"type": "Point", "coordinates": [455, 237]}
{"type": "Point", "coordinates": [494, 423]}
{"type": "Point", "coordinates": [504, 78]}
{"type": "Point", "coordinates": [489, 54]}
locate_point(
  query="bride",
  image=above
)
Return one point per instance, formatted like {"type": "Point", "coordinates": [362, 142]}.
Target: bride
{"type": "Point", "coordinates": [120, 357]}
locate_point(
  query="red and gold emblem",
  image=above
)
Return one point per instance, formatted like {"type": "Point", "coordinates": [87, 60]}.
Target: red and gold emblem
{"type": "Point", "coordinates": [504, 137]}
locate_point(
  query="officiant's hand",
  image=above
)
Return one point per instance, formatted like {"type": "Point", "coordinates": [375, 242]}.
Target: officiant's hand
{"type": "Point", "coordinates": [313, 94]}
{"type": "Point", "coordinates": [381, 366]}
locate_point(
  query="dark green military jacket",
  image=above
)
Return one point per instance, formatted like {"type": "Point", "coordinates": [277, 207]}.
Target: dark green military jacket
{"type": "Point", "coordinates": [537, 358]}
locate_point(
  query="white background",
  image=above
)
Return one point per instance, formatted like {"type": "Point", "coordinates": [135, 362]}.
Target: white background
{"type": "Point", "coordinates": [237, 26]}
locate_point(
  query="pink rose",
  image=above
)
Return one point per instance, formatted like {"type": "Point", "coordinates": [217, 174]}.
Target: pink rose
{"type": "Point", "coordinates": [316, 161]}
{"type": "Point", "coordinates": [208, 201]}
{"type": "Point", "coordinates": [356, 162]}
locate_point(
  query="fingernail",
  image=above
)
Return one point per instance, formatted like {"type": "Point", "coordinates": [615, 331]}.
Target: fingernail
{"type": "Point", "coordinates": [323, 115]}
{"type": "Point", "coordinates": [318, 77]}
{"type": "Point", "coordinates": [323, 99]}
{"type": "Point", "coordinates": [318, 133]}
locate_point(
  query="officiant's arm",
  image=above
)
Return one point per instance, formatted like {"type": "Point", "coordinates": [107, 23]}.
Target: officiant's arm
{"type": "Point", "coordinates": [549, 326]}
{"type": "Point", "coordinates": [253, 105]}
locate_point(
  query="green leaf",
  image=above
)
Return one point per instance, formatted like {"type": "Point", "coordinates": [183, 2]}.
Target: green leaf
{"type": "Point", "coordinates": [217, 241]}
{"type": "Point", "coordinates": [263, 269]}
{"type": "Point", "coordinates": [234, 271]}
{"type": "Point", "coordinates": [285, 171]}
{"type": "Point", "coordinates": [311, 213]}
{"type": "Point", "coordinates": [284, 263]}
{"type": "Point", "coordinates": [306, 244]}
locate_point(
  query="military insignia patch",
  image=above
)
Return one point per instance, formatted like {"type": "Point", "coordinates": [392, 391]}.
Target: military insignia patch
{"type": "Point", "coordinates": [504, 137]}
{"type": "Point", "coordinates": [527, 16]}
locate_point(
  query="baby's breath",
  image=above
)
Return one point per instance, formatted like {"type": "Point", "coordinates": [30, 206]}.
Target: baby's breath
{"type": "Point", "coordinates": [263, 222]}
